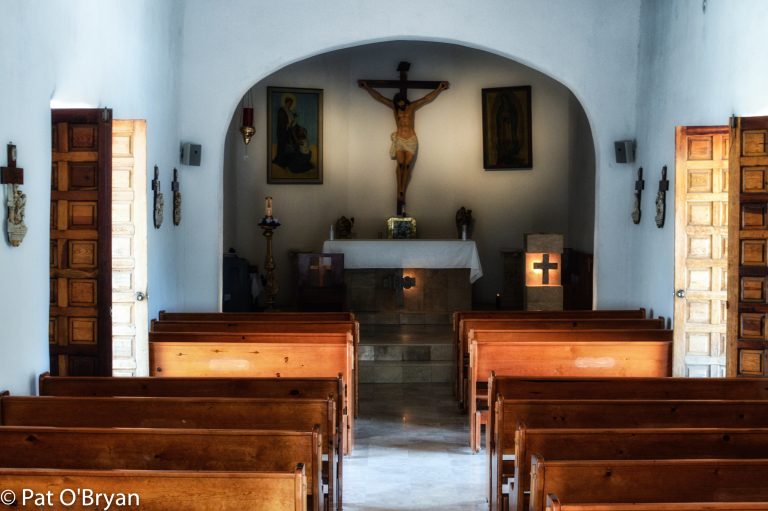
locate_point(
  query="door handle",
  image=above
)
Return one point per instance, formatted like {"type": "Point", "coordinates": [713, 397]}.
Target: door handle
{"type": "Point", "coordinates": [140, 297]}
{"type": "Point", "coordinates": [680, 293]}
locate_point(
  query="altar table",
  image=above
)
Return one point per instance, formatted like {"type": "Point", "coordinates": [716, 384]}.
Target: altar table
{"type": "Point", "coordinates": [445, 254]}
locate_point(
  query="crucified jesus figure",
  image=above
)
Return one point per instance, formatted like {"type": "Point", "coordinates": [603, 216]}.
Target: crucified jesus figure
{"type": "Point", "coordinates": [404, 142]}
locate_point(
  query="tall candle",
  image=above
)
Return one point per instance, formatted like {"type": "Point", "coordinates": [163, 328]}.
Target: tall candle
{"type": "Point", "coordinates": [248, 116]}
{"type": "Point", "coordinates": [268, 207]}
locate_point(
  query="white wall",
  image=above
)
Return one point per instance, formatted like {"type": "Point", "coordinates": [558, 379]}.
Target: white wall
{"type": "Point", "coordinates": [589, 46]}
{"type": "Point", "coordinates": [698, 68]}
{"type": "Point", "coordinates": [359, 176]}
{"type": "Point", "coordinates": [581, 185]}
{"type": "Point", "coordinates": [79, 53]}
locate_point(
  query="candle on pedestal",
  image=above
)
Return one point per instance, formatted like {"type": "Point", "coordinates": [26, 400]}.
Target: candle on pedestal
{"type": "Point", "coordinates": [268, 207]}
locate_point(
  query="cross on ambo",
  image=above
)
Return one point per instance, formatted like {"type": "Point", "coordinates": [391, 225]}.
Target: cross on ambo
{"type": "Point", "coordinates": [545, 266]}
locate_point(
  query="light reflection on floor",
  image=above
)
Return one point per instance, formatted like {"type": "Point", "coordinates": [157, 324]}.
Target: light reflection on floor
{"type": "Point", "coordinates": [412, 452]}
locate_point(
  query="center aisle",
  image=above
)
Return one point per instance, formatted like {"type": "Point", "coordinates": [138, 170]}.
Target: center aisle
{"type": "Point", "coordinates": [412, 452]}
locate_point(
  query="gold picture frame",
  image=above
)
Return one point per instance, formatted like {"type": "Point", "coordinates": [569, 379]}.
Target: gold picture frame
{"type": "Point", "coordinates": [401, 228]}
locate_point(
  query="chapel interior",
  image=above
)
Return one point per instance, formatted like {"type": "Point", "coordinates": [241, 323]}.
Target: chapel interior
{"type": "Point", "coordinates": [507, 255]}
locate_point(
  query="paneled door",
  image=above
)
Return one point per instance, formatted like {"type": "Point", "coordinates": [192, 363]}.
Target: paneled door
{"type": "Point", "coordinates": [130, 351]}
{"type": "Point", "coordinates": [80, 326]}
{"type": "Point", "coordinates": [748, 256]}
{"type": "Point", "coordinates": [701, 254]}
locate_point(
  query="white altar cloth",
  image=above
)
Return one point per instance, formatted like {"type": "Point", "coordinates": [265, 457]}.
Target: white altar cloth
{"type": "Point", "coordinates": [408, 254]}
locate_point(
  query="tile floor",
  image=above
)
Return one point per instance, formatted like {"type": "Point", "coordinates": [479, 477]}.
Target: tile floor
{"type": "Point", "coordinates": [412, 452]}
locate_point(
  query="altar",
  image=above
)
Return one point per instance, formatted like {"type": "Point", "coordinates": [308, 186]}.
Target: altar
{"type": "Point", "coordinates": [408, 281]}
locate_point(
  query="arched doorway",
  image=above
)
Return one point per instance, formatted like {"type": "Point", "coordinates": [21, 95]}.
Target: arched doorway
{"type": "Point", "coordinates": [556, 195]}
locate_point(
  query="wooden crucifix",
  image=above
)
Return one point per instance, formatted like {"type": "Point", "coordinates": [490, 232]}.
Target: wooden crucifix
{"type": "Point", "coordinates": [661, 198]}
{"type": "Point", "coordinates": [404, 142]}
{"type": "Point", "coordinates": [13, 176]}
{"type": "Point", "coordinates": [639, 187]}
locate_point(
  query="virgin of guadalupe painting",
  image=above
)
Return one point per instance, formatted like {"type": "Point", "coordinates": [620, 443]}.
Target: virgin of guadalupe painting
{"type": "Point", "coordinates": [294, 135]}
{"type": "Point", "coordinates": [507, 142]}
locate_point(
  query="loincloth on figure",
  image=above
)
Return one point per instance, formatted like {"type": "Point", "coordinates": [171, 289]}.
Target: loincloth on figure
{"type": "Point", "coordinates": [409, 145]}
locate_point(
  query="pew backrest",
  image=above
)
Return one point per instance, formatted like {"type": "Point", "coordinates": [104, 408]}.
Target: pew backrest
{"type": "Point", "coordinates": [254, 326]}
{"type": "Point", "coordinates": [554, 504]}
{"type": "Point", "coordinates": [632, 481]}
{"type": "Point", "coordinates": [544, 323]}
{"type": "Point", "coordinates": [256, 316]}
{"type": "Point", "coordinates": [188, 490]}
{"type": "Point", "coordinates": [106, 386]}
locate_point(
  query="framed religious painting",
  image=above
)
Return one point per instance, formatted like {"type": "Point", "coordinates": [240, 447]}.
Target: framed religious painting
{"type": "Point", "coordinates": [294, 135]}
{"type": "Point", "coordinates": [507, 142]}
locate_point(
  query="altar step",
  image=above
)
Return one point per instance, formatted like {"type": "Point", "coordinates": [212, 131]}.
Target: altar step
{"type": "Point", "coordinates": [406, 354]}
{"type": "Point", "coordinates": [403, 318]}
{"type": "Point", "coordinates": [406, 372]}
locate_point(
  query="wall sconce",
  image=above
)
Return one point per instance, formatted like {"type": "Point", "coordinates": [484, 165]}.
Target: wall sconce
{"type": "Point", "coordinates": [247, 128]}
{"type": "Point", "coordinates": [542, 269]}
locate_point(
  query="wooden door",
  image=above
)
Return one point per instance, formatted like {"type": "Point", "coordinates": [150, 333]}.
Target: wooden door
{"type": "Point", "coordinates": [80, 328]}
{"type": "Point", "coordinates": [748, 255]}
{"type": "Point", "coordinates": [701, 254]}
{"type": "Point", "coordinates": [130, 356]}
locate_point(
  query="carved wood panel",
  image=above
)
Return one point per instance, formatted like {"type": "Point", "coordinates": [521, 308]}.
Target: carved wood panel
{"type": "Point", "coordinates": [701, 219]}
{"type": "Point", "coordinates": [748, 257]}
{"type": "Point", "coordinates": [80, 262]}
{"type": "Point", "coordinates": [129, 258]}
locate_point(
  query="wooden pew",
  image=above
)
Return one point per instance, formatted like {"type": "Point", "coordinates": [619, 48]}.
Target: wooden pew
{"type": "Point", "coordinates": [257, 355]}
{"type": "Point", "coordinates": [562, 353]}
{"type": "Point", "coordinates": [166, 449]}
{"type": "Point", "coordinates": [634, 481]}
{"type": "Point", "coordinates": [256, 316]}
{"type": "Point", "coordinates": [627, 444]}
{"type": "Point", "coordinates": [291, 323]}
{"type": "Point", "coordinates": [501, 443]}
{"type": "Point", "coordinates": [521, 387]}
{"type": "Point", "coordinates": [162, 490]}
{"type": "Point", "coordinates": [542, 323]}
{"type": "Point", "coordinates": [458, 316]}
{"type": "Point", "coordinates": [198, 413]}
{"type": "Point", "coordinates": [553, 502]}
{"type": "Point", "coordinates": [106, 386]}
{"type": "Point", "coordinates": [612, 413]}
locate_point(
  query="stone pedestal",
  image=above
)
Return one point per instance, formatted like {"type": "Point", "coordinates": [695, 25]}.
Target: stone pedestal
{"type": "Point", "coordinates": [544, 294]}
{"type": "Point", "coordinates": [544, 298]}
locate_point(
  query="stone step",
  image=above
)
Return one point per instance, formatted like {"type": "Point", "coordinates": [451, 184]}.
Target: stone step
{"type": "Point", "coordinates": [397, 352]}
{"type": "Point", "coordinates": [403, 318]}
{"type": "Point", "coordinates": [397, 371]}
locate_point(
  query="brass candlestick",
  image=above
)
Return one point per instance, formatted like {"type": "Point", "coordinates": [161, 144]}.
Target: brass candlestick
{"type": "Point", "coordinates": [268, 226]}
